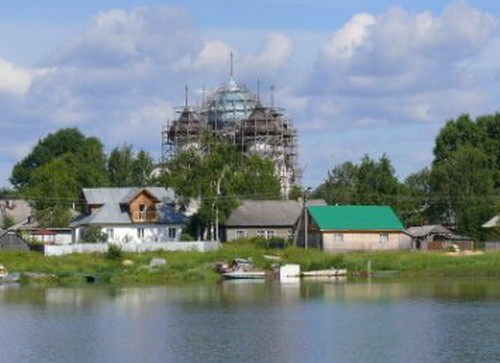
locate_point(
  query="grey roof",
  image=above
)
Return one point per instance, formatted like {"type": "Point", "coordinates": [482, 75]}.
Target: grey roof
{"type": "Point", "coordinates": [124, 195]}
{"type": "Point", "coordinates": [422, 231]}
{"type": "Point", "coordinates": [493, 222]}
{"type": "Point", "coordinates": [112, 209]}
{"type": "Point", "coordinates": [260, 213]}
{"type": "Point", "coordinates": [18, 209]}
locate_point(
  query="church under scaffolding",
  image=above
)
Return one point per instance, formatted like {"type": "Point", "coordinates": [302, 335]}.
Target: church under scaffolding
{"type": "Point", "coordinates": [232, 113]}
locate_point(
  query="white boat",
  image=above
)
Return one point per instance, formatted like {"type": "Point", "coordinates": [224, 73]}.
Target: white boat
{"type": "Point", "coordinates": [332, 272]}
{"type": "Point", "coordinates": [244, 275]}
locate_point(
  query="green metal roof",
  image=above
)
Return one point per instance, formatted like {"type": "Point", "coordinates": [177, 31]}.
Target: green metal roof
{"type": "Point", "coordinates": [355, 218]}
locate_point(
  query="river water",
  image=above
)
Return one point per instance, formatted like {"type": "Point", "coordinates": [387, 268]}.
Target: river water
{"type": "Point", "coordinates": [332, 321]}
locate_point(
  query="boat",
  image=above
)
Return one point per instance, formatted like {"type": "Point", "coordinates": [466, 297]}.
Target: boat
{"type": "Point", "coordinates": [244, 275]}
{"type": "Point", "coordinates": [332, 272]}
{"type": "Point", "coordinates": [240, 269]}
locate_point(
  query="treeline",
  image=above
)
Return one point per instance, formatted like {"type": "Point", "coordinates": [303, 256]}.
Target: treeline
{"type": "Point", "coordinates": [60, 165]}
{"type": "Point", "coordinates": [461, 188]}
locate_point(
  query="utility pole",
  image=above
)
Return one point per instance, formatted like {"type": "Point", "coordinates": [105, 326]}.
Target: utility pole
{"type": "Point", "coordinates": [304, 204]}
{"type": "Point", "coordinates": [216, 204]}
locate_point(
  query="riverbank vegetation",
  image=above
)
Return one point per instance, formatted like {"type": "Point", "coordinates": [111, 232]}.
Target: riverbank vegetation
{"type": "Point", "coordinates": [182, 267]}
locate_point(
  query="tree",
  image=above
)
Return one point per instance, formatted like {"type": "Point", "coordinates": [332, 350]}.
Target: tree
{"type": "Point", "coordinates": [53, 190]}
{"type": "Point", "coordinates": [57, 168]}
{"type": "Point", "coordinates": [91, 164]}
{"type": "Point", "coordinates": [119, 166]}
{"type": "Point", "coordinates": [370, 182]}
{"type": "Point", "coordinates": [465, 177]}
{"type": "Point", "coordinates": [414, 195]}
{"type": "Point", "coordinates": [142, 166]}
{"type": "Point", "coordinates": [64, 141]}
{"type": "Point", "coordinates": [218, 175]}
{"type": "Point", "coordinates": [461, 188]}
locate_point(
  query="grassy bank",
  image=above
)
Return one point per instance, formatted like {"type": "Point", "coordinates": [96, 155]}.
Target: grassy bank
{"type": "Point", "coordinates": [195, 266]}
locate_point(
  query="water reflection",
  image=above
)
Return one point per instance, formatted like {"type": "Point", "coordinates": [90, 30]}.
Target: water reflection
{"type": "Point", "coordinates": [306, 321]}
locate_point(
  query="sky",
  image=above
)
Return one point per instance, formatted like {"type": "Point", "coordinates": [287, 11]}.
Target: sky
{"type": "Point", "coordinates": [356, 78]}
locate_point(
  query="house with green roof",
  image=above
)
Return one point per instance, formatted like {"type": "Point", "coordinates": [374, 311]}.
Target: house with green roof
{"type": "Point", "coordinates": [342, 228]}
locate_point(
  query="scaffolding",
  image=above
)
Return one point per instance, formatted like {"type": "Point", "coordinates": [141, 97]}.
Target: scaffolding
{"type": "Point", "coordinates": [232, 113]}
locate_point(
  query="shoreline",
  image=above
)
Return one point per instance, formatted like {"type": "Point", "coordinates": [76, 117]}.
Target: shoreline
{"type": "Point", "coordinates": [187, 267]}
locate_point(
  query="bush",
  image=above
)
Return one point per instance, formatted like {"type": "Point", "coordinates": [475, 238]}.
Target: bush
{"type": "Point", "coordinates": [114, 252]}
{"type": "Point", "coordinates": [274, 242]}
{"type": "Point", "coordinates": [186, 237]}
{"type": "Point", "coordinates": [94, 234]}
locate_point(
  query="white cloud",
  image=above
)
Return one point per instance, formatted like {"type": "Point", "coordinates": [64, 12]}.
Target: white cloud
{"type": "Point", "coordinates": [14, 79]}
{"type": "Point", "coordinates": [118, 38]}
{"type": "Point", "coordinates": [402, 67]}
{"type": "Point", "coordinates": [276, 52]}
{"type": "Point", "coordinates": [343, 44]}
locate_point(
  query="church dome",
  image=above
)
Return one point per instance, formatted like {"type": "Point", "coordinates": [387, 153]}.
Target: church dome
{"type": "Point", "coordinates": [229, 105]}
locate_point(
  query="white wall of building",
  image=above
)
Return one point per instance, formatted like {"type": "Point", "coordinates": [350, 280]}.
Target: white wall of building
{"type": "Point", "coordinates": [139, 233]}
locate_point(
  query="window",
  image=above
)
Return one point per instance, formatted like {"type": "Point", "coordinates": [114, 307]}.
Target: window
{"type": "Point", "coordinates": [172, 233]}
{"type": "Point", "coordinates": [240, 233]}
{"type": "Point", "coordinates": [338, 237]}
{"type": "Point", "coordinates": [265, 234]}
{"type": "Point", "coordinates": [140, 232]}
{"type": "Point", "coordinates": [384, 237]}
{"type": "Point", "coordinates": [142, 207]}
{"type": "Point", "coordinates": [270, 234]}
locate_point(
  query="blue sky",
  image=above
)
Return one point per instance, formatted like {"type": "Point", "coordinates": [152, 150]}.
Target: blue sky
{"type": "Point", "coordinates": [357, 77]}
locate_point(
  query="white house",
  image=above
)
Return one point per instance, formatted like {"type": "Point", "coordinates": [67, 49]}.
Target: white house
{"type": "Point", "coordinates": [130, 215]}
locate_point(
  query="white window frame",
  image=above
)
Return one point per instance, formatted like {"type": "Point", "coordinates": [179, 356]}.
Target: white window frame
{"type": "Point", "coordinates": [172, 232]}
{"type": "Point", "coordinates": [271, 233]}
{"type": "Point", "coordinates": [240, 233]}
{"type": "Point", "coordinates": [338, 237]}
{"type": "Point", "coordinates": [140, 232]}
{"type": "Point", "coordinates": [384, 237]}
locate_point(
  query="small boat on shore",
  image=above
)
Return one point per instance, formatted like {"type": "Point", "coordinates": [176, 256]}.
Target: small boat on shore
{"type": "Point", "coordinates": [332, 272]}
{"type": "Point", "coordinates": [244, 275]}
{"type": "Point", "coordinates": [240, 269]}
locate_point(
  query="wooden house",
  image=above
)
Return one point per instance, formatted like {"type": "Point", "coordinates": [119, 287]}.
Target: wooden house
{"type": "Point", "coordinates": [266, 218]}
{"type": "Point", "coordinates": [355, 228]}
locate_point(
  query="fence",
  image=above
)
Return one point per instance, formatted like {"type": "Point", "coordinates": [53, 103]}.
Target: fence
{"type": "Point", "coordinates": [492, 245]}
{"type": "Point", "coordinates": [200, 246]}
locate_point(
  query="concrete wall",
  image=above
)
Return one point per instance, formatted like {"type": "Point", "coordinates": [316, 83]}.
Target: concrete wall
{"type": "Point", "coordinates": [364, 242]}
{"type": "Point", "coordinates": [200, 246]}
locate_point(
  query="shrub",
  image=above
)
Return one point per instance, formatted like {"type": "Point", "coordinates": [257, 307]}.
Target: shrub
{"type": "Point", "coordinates": [274, 242]}
{"type": "Point", "coordinates": [186, 237]}
{"type": "Point", "coordinates": [114, 252]}
{"type": "Point", "coordinates": [94, 234]}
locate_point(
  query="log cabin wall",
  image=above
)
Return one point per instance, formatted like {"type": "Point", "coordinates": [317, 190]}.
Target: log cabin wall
{"type": "Point", "coordinates": [143, 209]}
